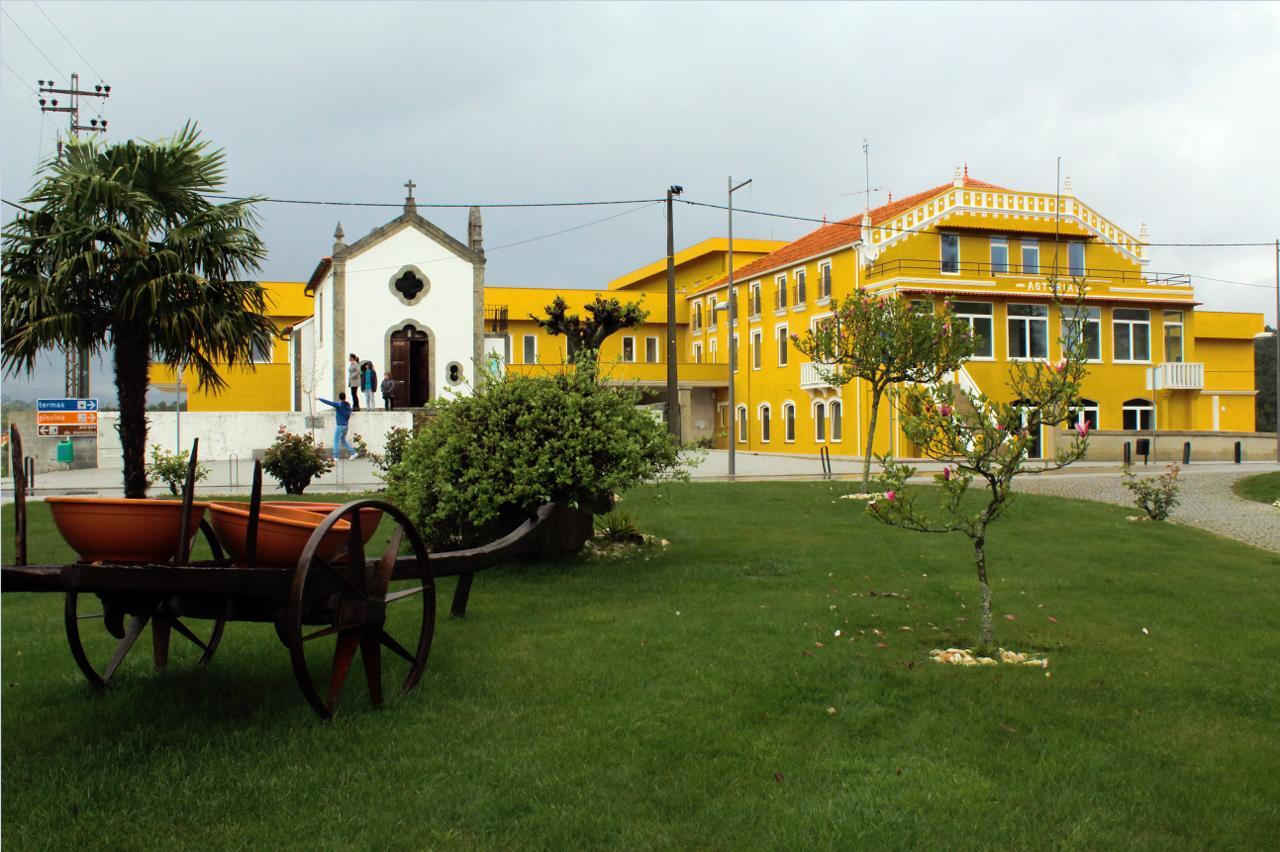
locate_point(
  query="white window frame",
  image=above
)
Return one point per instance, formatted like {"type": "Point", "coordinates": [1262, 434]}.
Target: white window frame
{"type": "Point", "coordinates": [998, 241]}
{"type": "Point", "coordinates": [835, 414]}
{"type": "Point", "coordinates": [741, 424]}
{"type": "Point", "coordinates": [1147, 407]}
{"type": "Point", "coordinates": [789, 422]}
{"type": "Point", "coordinates": [1031, 244]}
{"type": "Point", "coordinates": [697, 352]}
{"type": "Point", "coordinates": [713, 350]}
{"type": "Point", "coordinates": [819, 414]}
{"type": "Point", "coordinates": [942, 255]}
{"type": "Point", "coordinates": [628, 339]}
{"type": "Point", "coordinates": [1071, 267]}
{"type": "Point", "coordinates": [1165, 325]}
{"type": "Point", "coordinates": [524, 348]}
{"type": "Point", "coordinates": [1078, 413]}
{"type": "Point", "coordinates": [763, 414]}
{"type": "Point", "coordinates": [657, 350]}
{"type": "Point", "coordinates": [697, 315]}
{"type": "Point", "coordinates": [780, 295]}
{"type": "Point", "coordinates": [801, 294]}
{"type": "Point", "coordinates": [1011, 318]}
{"type": "Point", "coordinates": [269, 353]}
{"type": "Point", "coordinates": [783, 339]}
{"type": "Point", "coordinates": [968, 318]}
{"type": "Point", "coordinates": [713, 316]}
{"type": "Point", "coordinates": [1093, 316]}
{"type": "Point", "coordinates": [753, 301]}
{"type": "Point", "coordinates": [1129, 324]}
{"type": "Point", "coordinates": [757, 345]}
{"type": "Point", "coordinates": [824, 282]}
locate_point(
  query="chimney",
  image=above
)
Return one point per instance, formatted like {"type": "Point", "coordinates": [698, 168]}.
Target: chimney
{"type": "Point", "coordinates": [475, 237]}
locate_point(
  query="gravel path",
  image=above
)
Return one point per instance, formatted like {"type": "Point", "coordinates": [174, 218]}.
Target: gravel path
{"type": "Point", "coordinates": [1207, 502]}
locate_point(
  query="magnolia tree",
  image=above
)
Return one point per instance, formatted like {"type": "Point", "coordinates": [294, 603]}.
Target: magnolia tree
{"type": "Point", "coordinates": [987, 446]}
{"type": "Point", "coordinates": [588, 334]}
{"type": "Point", "coordinates": [885, 340]}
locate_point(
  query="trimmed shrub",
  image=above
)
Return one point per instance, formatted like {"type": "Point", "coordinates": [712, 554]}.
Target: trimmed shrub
{"type": "Point", "coordinates": [1155, 495]}
{"type": "Point", "coordinates": [171, 468]}
{"type": "Point", "coordinates": [293, 460]}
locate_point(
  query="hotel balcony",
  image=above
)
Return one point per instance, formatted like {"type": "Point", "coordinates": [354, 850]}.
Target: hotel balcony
{"type": "Point", "coordinates": [630, 372]}
{"type": "Point", "coordinates": [811, 379]}
{"type": "Point", "coordinates": [910, 267]}
{"type": "Point", "coordinates": [1176, 376]}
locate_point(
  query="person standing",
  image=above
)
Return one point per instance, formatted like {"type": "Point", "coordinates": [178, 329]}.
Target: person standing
{"type": "Point", "coordinates": [368, 383]}
{"type": "Point", "coordinates": [353, 380]}
{"type": "Point", "coordinates": [388, 392]}
{"type": "Point", "coordinates": [342, 419]}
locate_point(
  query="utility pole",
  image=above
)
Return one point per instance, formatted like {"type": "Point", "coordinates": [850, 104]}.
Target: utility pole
{"type": "Point", "coordinates": [1277, 339]}
{"type": "Point", "coordinates": [76, 375]}
{"type": "Point", "coordinates": [733, 348]}
{"type": "Point", "coordinates": [673, 380]}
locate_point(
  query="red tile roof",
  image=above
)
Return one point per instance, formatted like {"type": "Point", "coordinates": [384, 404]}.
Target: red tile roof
{"type": "Point", "coordinates": [836, 235]}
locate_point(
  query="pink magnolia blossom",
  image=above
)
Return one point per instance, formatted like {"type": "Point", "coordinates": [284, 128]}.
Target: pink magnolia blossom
{"type": "Point", "coordinates": [1082, 427]}
{"type": "Point", "coordinates": [945, 410]}
{"type": "Point", "coordinates": [1061, 366]}
{"type": "Point", "coordinates": [889, 495]}
{"type": "Point", "coordinates": [999, 427]}
{"type": "Point", "coordinates": [946, 474]}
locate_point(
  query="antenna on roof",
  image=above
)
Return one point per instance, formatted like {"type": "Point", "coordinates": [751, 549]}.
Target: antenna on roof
{"type": "Point", "coordinates": [866, 160]}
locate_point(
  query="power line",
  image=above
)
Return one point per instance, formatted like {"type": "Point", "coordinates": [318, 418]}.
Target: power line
{"type": "Point", "coordinates": [576, 227]}
{"type": "Point", "coordinates": [452, 205]}
{"type": "Point", "coordinates": [33, 44]}
{"type": "Point", "coordinates": [19, 76]}
{"type": "Point", "coordinates": [67, 40]}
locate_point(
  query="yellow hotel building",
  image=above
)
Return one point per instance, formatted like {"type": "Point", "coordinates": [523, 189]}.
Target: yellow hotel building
{"type": "Point", "coordinates": [1158, 363]}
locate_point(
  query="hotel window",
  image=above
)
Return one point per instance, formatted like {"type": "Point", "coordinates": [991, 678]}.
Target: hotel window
{"type": "Point", "coordinates": [1028, 331]}
{"type": "Point", "coordinates": [757, 341]}
{"type": "Point", "coordinates": [1030, 256]}
{"type": "Point", "coordinates": [262, 354]}
{"type": "Point", "coordinates": [697, 316]}
{"type": "Point", "coordinates": [733, 352]}
{"type": "Point", "coordinates": [742, 424]}
{"type": "Point", "coordinates": [820, 422]}
{"type": "Point", "coordinates": [1085, 411]}
{"type": "Point", "coordinates": [651, 350]}
{"type": "Point", "coordinates": [922, 306]}
{"type": "Point", "coordinates": [800, 294]}
{"type": "Point", "coordinates": [1077, 321]}
{"type": "Point", "coordinates": [629, 349]}
{"type": "Point", "coordinates": [530, 349]}
{"type": "Point", "coordinates": [715, 351]}
{"type": "Point", "coordinates": [755, 298]}
{"type": "Point", "coordinates": [1075, 259]}
{"type": "Point", "coordinates": [781, 333]}
{"type": "Point", "coordinates": [713, 316]}
{"type": "Point", "coordinates": [789, 421]}
{"type": "Point", "coordinates": [780, 295]}
{"type": "Point", "coordinates": [697, 353]}
{"type": "Point", "coordinates": [824, 280]}
{"type": "Point", "coordinates": [764, 423]}
{"type": "Point", "coordinates": [1173, 336]}
{"type": "Point", "coordinates": [1138, 415]}
{"type": "Point", "coordinates": [977, 315]}
{"type": "Point", "coordinates": [950, 252]}
{"type": "Point", "coordinates": [833, 414]}
{"type": "Point", "coordinates": [1131, 333]}
{"type": "Point", "coordinates": [999, 254]}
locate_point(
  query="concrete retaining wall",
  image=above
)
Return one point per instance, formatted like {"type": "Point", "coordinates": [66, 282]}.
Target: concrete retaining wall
{"type": "Point", "coordinates": [1108, 445]}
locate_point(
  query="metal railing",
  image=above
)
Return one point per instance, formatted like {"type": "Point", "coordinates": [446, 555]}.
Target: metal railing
{"type": "Point", "coordinates": [496, 319]}
{"type": "Point", "coordinates": [919, 266]}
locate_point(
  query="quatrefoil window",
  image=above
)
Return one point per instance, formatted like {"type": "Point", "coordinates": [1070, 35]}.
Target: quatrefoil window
{"type": "Point", "coordinates": [409, 286]}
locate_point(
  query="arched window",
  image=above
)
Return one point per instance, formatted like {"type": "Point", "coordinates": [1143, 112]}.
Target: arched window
{"type": "Point", "coordinates": [764, 423]}
{"type": "Point", "coordinates": [1084, 411]}
{"type": "Point", "coordinates": [1138, 415]}
{"type": "Point", "coordinates": [789, 418]}
{"type": "Point", "coordinates": [820, 422]}
{"type": "Point", "coordinates": [834, 412]}
{"type": "Point", "coordinates": [742, 424]}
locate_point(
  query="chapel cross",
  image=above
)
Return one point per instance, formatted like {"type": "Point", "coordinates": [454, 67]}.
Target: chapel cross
{"type": "Point", "coordinates": [409, 185]}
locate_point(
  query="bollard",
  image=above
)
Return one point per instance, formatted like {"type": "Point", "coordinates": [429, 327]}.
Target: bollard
{"type": "Point", "coordinates": [1239, 452]}
{"type": "Point", "coordinates": [1128, 453]}
{"type": "Point", "coordinates": [1186, 453]}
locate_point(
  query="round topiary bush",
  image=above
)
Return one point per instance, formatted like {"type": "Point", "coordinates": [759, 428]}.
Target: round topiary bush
{"type": "Point", "coordinates": [487, 461]}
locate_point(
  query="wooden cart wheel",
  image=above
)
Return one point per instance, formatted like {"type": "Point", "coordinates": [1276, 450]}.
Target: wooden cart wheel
{"type": "Point", "coordinates": [118, 621]}
{"type": "Point", "coordinates": [350, 603]}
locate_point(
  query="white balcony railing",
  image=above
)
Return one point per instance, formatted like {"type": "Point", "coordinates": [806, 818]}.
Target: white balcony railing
{"type": "Point", "coordinates": [810, 379]}
{"type": "Point", "coordinates": [1177, 376]}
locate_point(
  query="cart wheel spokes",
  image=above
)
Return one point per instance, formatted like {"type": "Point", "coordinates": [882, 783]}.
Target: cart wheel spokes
{"type": "Point", "coordinates": [101, 639]}
{"type": "Point", "coordinates": [348, 605]}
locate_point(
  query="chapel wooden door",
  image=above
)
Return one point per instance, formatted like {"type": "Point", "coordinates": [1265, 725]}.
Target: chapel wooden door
{"type": "Point", "coordinates": [399, 368]}
{"type": "Point", "coordinates": [410, 366]}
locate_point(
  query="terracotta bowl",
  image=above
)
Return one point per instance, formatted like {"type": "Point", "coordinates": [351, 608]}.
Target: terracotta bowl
{"type": "Point", "coordinates": [282, 533]}
{"type": "Point", "coordinates": [369, 518]}
{"type": "Point", "coordinates": [112, 529]}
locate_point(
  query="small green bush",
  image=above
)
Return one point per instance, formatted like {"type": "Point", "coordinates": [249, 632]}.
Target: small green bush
{"type": "Point", "coordinates": [1155, 495]}
{"type": "Point", "coordinates": [171, 468]}
{"type": "Point", "coordinates": [488, 460]}
{"type": "Point", "coordinates": [293, 460]}
{"type": "Point", "coordinates": [394, 444]}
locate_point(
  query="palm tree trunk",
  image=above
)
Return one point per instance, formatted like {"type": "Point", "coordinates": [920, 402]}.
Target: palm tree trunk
{"type": "Point", "coordinates": [132, 360]}
{"type": "Point", "coordinates": [871, 435]}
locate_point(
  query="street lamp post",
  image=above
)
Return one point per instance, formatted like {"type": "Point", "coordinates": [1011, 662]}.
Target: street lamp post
{"type": "Point", "coordinates": [733, 349]}
{"type": "Point", "coordinates": [673, 385]}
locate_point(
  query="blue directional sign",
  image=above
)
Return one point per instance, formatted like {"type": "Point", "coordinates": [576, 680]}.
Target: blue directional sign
{"type": "Point", "coordinates": [66, 405]}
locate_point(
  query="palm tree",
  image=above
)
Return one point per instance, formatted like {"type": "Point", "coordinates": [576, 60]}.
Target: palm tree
{"type": "Point", "coordinates": [124, 250]}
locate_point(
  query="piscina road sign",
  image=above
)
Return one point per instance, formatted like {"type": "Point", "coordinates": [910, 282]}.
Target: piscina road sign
{"type": "Point", "coordinates": [66, 404]}
{"type": "Point", "coordinates": [50, 418]}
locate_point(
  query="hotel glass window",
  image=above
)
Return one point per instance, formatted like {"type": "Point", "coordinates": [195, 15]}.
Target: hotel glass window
{"type": "Point", "coordinates": [999, 254]}
{"type": "Point", "coordinates": [780, 295]}
{"type": "Point", "coordinates": [1030, 418]}
{"type": "Point", "coordinates": [800, 292]}
{"type": "Point", "coordinates": [834, 412]}
{"type": "Point", "coordinates": [733, 353]}
{"type": "Point", "coordinates": [781, 332]}
{"type": "Point", "coordinates": [1028, 331]}
{"type": "Point", "coordinates": [764, 423]}
{"type": "Point", "coordinates": [1075, 259]}
{"type": "Point", "coordinates": [697, 316]}
{"type": "Point", "coordinates": [757, 341]}
{"type": "Point", "coordinates": [713, 316]}
{"type": "Point", "coordinates": [530, 349]}
{"type": "Point", "coordinates": [824, 280]}
{"type": "Point", "coordinates": [1131, 332]}
{"type": "Point", "coordinates": [651, 350]}
{"type": "Point", "coordinates": [1077, 321]}
{"type": "Point", "coordinates": [1138, 415]}
{"type": "Point", "coordinates": [629, 349]}
{"type": "Point", "coordinates": [714, 351]}
{"type": "Point", "coordinates": [1085, 411]}
{"type": "Point", "coordinates": [789, 420]}
{"type": "Point", "coordinates": [950, 252]}
{"type": "Point", "coordinates": [755, 298]}
{"type": "Point", "coordinates": [1030, 256]}
{"type": "Point", "coordinates": [262, 354]}
{"type": "Point", "coordinates": [697, 353]}
{"type": "Point", "coordinates": [1173, 336]}
{"type": "Point", "coordinates": [922, 306]}
{"type": "Point", "coordinates": [820, 422]}
{"type": "Point", "coordinates": [977, 315]}
{"type": "Point", "coordinates": [742, 424]}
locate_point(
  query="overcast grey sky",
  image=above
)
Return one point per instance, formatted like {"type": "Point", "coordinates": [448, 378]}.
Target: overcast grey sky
{"type": "Point", "coordinates": [1163, 113]}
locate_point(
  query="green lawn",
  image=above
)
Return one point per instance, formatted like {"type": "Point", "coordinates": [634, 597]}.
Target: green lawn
{"type": "Point", "coordinates": [1262, 487]}
{"type": "Point", "coordinates": [682, 698]}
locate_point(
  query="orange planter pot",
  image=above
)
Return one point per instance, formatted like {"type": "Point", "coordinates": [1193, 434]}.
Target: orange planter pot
{"type": "Point", "coordinates": [369, 518]}
{"type": "Point", "coordinates": [112, 529]}
{"type": "Point", "coordinates": [282, 533]}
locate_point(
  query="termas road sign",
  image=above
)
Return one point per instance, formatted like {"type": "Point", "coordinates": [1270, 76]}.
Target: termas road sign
{"type": "Point", "coordinates": [66, 404]}
{"type": "Point", "coordinates": [67, 430]}
{"type": "Point", "coordinates": [49, 418]}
